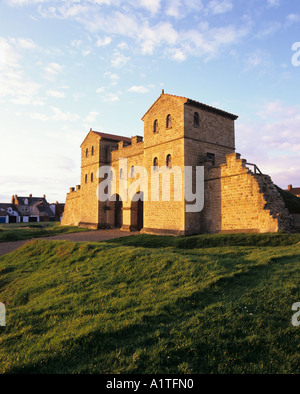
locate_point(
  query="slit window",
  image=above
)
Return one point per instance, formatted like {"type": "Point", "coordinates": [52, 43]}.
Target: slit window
{"type": "Point", "coordinates": [155, 126]}
{"type": "Point", "coordinates": [168, 122]}
{"type": "Point", "coordinates": [196, 119]}
{"type": "Point", "coordinates": [155, 164]}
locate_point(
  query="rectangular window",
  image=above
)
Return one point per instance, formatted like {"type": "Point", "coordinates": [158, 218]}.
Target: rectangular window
{"type": "Point", "coordinates": [211, 157]}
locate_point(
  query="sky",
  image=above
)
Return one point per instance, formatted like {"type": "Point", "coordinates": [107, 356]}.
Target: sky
{"type": "Point", "coordinates": [70, 65]}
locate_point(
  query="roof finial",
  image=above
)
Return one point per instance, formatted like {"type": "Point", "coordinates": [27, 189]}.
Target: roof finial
{"type": "Point", "coordinates": [163, 91]}
{"type": "Point", "coordinates": [91, 129]}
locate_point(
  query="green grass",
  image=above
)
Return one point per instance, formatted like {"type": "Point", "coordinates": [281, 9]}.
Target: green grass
{"type": "Point", "coordinates": [21, 231]}
{"type": "Point", "coordinates": [145, 304]}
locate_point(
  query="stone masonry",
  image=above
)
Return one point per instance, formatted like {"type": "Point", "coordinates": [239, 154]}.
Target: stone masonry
{"type": "Point", "coordinates": [178, 132]}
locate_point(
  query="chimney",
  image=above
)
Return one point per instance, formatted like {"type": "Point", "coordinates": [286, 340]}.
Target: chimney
{"type": "Point", "coordinates": [290, 187]}
{"type": "Point", "coordinates": [13, 199]}
{"type": "Point", "coordinates": [44, 196]}
{"type": "Point", "coordinates": [30, 195]}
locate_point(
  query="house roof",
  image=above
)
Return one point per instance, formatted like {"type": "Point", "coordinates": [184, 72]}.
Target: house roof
{"type": "Point", "coordinates": [294, 190]}
{"type": "Point", "coordinates": [4, 209]}
{"type": "Point", "coordinates": [196, 104]}
{"type": "Point", "coordinates": [45, 209]}
{"type": "Point", "coordinates": [112, 137]}
{"type": "Point", "coordinates": [31, 200]}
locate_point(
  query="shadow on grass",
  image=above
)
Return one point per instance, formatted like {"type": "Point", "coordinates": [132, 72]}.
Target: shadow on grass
{"type": "Point", "coordinates": [208, 241]}
{"type": "Point", "coordinates": [187, 335]}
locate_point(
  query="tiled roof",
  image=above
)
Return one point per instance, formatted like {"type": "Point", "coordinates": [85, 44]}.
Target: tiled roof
{"type": "Point", "coordinates": [31, 200]}
{"type": "Point", "coordinates": [197, 104]}
{"type": "Point", "coordinates": [112, 136]}
{"type": "Point", "coordinates": [294, 190]}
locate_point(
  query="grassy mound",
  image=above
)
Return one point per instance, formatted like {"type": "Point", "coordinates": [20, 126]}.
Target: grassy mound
{"type": "Point", "coordinates": [291, 201]}
{"type": "Point", "coordinates": [116, 307]}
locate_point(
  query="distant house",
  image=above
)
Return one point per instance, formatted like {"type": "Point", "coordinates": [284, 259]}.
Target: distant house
{"type": "Point", "coordinates": [58, 210]}
{"type": "Point", "coordinates": [293, 190]}
{"type": "Point", "coordinates": [34, 209]}
{"type": "Point", "coordinates": [9, 213]}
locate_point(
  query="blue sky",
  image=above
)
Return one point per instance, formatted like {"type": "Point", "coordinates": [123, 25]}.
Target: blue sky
{"type": "Point", "coordinates": [70, 65]}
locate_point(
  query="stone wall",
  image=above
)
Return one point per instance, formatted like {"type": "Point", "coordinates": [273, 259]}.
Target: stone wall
{"type": "Point", "coordinates": [72, 211]}
{"type": "Point", "coordinates": [236, 200]}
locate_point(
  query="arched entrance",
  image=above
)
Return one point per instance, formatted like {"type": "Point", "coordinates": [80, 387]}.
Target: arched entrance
{"type": "Point", "coordinates": [118, 212]}
{"type": "Point", "coordinates": [137, 212]}
{"type": "Point", "coordinates": [115, 212]}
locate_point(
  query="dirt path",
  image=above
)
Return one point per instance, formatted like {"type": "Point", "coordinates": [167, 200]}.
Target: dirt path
{"type": "Point", "coordinates": [89, 236]}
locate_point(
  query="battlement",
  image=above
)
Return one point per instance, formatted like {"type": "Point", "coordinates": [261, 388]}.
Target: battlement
{"type": "Point", "coordinates": [126, 149]}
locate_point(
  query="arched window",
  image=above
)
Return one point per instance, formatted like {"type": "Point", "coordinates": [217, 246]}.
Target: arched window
{"type": "Point", "coordinates": [86, 152]}
{"type": "Point", "coordinates": [196, 119]}
{"type": "Point", "coordinates": [92, 151]}
{"type": "Point", "coordinates": [155, 164]}
{"type": "Point", "coordinates": [169, 161]}
{"type": "Point", "coordinates": [85, 179]}
{"type": "Point", "coordinates": [168, 122]}
{"type": "Point", "coordinates": [155, 126]}
{"type": "Point", "coordinates": [132, 172]}
{"type": "Point", "coordinates": [92, 177]}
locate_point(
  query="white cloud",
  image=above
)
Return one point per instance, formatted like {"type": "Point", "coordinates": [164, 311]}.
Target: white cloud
{"type": "Point", "coordinates": [151, 5]}
{"type": "Point", "coordinates": [138, 89]}
{"type": "Point", "coordinates": [178, 54]}
{"type": "Point", "coordinates": [23, 43]}
{"type": "Point", "coordinates": [114, 78]}
{"type": "Point", "coordinates": [76, 43]}
{"type": "Point", "coordinates": [259, 59]}
{"type": "Point", "coordinates": [53, 69]}
{"type": "Point", "coordinates": [58, 115]}
{"type": "Point", "coordinates": [293, 18]}
{"type": "Point", "coordinates": [122, 20]}
{"type": "Point", "coordinates": [152, 37]}
{"type": "Point", "coordinates": [269, 29]}
{"type": "Point", "coordinates": [102, 42]}
{"type": "Point", "coordinates": [273, 3]}
{"type": "Point", "coordinates": [55, 93]}
{"type": "Point", "coordinates": [272, 141]}
{"type": "Point", "coordinates": [119, 60]}
{"type": "Point", "coordinates": [100, 90]}
{"type": "Point", "coordinates": [220, 6]}
{"type": "Point", "coordinates": [92, 116]}
{"type": "Point", "coordinates": [25, 2]}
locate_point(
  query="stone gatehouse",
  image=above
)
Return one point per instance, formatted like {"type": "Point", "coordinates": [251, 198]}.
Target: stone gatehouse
{"type": "Point", "coordinates": [184, 133]}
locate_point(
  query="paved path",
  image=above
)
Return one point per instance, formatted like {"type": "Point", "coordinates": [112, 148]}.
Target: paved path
{"type": "Point", "coordinates": [89, 236]}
